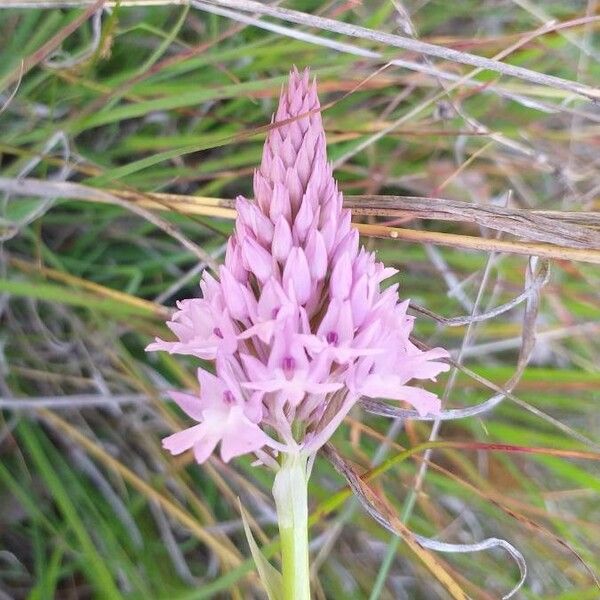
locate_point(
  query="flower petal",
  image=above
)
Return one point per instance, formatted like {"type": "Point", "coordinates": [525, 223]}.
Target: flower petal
{"type": "Point", "coordinates": [183, 440]}
{"type": "Point", "coordinates": [296, 275]}
{"type": "Point", "coordinates": [381, 386]}
{"type": "Point", "coordinates": [190, 404]}
{"type": "Point", "coordinates": [341, 278]}
{"type": "Point", "coordinates": [242, 436]}
{"type": "Point", "coordinates": [257, 260]}
{"type": "Point", "coordinates": [204, 448]}
{"type": "Point", "coordinates": [282, 239]}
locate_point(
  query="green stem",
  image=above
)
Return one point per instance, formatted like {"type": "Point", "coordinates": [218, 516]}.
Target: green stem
{"type": "Point", "coordinates": [290, 493]}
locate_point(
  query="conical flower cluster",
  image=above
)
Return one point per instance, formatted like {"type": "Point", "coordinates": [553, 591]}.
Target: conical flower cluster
{"type": "Point", "coordinates": [297, 323]}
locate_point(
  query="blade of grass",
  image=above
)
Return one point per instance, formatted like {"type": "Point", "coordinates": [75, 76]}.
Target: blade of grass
{"type": "Point", "coordinates": [93, 564]}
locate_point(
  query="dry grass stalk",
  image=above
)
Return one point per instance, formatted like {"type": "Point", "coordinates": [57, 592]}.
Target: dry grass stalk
{"type": "Point", "coordinates": [570, 240]}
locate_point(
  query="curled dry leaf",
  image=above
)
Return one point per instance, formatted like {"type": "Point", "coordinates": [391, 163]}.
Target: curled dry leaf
{"type": "Point", "coordinates": [385, 516]}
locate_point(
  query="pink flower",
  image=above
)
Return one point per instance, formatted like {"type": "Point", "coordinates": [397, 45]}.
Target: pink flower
{"type": "Point", "coordinates": [297, 321]}
{"type": "Point", "coordinates": [225, 415]}
{"type": "Point", "coordinates": [201, 329]}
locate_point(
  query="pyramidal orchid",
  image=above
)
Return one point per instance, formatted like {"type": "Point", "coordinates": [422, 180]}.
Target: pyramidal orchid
{"type": "Point", "coordinates": [297, 324]}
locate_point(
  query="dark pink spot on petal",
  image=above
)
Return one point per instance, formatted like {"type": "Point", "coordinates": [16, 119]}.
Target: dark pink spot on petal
{"type": "Point", "coordinates": [288, 364]}
{"type": "Point", "coordinates": [332, 338]}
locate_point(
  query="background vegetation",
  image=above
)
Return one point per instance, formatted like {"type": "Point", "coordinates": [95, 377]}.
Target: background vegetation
{"type": "Point", "coordinates": [173, 99]}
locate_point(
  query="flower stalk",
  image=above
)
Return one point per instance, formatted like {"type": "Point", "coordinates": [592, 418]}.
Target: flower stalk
{"type": "Point", "coordinates": [290, 491]}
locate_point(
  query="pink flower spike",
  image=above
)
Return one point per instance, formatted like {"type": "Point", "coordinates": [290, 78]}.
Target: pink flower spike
{"type": "Point", "coordinates": [297, 322]}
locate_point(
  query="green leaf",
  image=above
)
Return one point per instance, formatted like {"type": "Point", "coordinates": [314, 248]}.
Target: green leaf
{"type": "Point", "coordinates": [269, 575]}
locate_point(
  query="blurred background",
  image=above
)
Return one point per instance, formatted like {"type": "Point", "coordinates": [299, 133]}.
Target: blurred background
{"type": "Point", "coordinates": [125, 132]}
